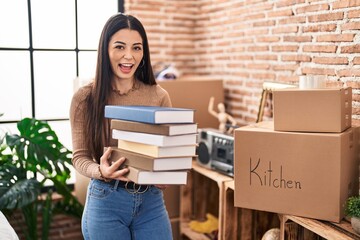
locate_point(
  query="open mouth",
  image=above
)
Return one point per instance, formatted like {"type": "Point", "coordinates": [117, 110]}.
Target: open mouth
{"type": "Point", "coordinates": [126, 66]}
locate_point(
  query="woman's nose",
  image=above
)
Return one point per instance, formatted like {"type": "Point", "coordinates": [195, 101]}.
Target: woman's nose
{"type": "Point", "coordinates": [128, 55]}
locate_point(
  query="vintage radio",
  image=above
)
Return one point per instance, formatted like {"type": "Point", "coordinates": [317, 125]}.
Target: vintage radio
{"type": "Point", "coordinates": [216, 150]}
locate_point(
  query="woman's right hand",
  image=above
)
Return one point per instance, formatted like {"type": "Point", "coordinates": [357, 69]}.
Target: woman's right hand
{"type": "Point", "coordinates": [112, 171]}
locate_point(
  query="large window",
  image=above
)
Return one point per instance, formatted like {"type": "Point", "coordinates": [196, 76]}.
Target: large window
{"type": "Point", "coordinates": [44, 46]}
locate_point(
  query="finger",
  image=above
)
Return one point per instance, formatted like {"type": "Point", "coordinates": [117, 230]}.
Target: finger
{"type": "Point", "coordinates": [104, 158]}
{"type": "Point", "coordinates": [120, 174]}
{"type": "Point", "coordinates": [162, 187]}
{"type": "Point", "coordinates": [116, 165]}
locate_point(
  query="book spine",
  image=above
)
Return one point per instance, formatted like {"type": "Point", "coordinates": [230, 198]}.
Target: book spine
{"type": "Point", "coordinates": [173, 177]}
{"type": "Point", "coordinates": [133, 175]}
{"type": "Point", "coordinates": [145, 149]}
{"type": "Point", "coordinates": [140, 127]}
{"type": "Point", "coordinates": [129, 114]}
{"type": "Point", "coordinates": [134, 160]}
{"type": "Point", "coordinates": [140, 137]}
{"type": "Point", "coordinates": [154, 139]}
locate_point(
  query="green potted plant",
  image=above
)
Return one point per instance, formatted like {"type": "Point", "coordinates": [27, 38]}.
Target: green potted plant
{"type": "Point", "coordinates": [353, 211]}
{"type": "Point", "coordinates": [34, 154]}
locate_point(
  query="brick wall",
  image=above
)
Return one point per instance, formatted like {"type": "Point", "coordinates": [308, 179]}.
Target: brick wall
{"type": "Point", "coordinates": [170, 27]}
{"type": "Point", "coordinates": [251, 41]}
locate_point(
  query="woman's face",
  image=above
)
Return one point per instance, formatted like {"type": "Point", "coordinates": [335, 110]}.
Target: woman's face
{"type": "Point", "coordinates": [125, 53]}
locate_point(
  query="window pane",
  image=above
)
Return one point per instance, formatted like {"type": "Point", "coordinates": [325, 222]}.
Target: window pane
{"type": "Point", "coordinates": [63, 131]}
{"type": "Point", "coordinates": [54, 74]}
{"type": "Point", "coordinates": [53, 23]}
{"type": "Point", "coordinates": [14, 26]}
{"type": "Point", "coordinates": [10, 128]}
{"type": "Point", "coordinates": [87, 64]}
{"type": "Point", "coordinates": [92, 15]}
{"type": "Point", "coordinates": [15, 97]}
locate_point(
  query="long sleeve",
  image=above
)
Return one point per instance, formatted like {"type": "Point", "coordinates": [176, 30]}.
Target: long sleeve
{"type": "Point", "coordinates": [82, 160]}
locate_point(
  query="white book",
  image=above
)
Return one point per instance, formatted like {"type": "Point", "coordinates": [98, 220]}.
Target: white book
{"type": "Point", "coordinates": [140, 176]}
{"type": "Point", "coordinates": [154, 139]}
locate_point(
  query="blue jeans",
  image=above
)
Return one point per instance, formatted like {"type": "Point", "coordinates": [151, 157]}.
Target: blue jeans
{"type": "Point", "coordinates": [111, 212]}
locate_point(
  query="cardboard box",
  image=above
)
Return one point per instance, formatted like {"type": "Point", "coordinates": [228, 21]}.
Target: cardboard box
{"type": "Point", "coordinates": [195, 93]}
{"type": "Point", "coordinates": [312, 110]}
{"type": "Point", "coordinates": [303, 174]}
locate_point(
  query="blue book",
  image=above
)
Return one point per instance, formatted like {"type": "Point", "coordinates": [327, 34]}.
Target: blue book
{"type": "Point", "coordinates": [150, 114]}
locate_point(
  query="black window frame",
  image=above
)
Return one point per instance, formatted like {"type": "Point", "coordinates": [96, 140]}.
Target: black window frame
{"type": "Point", "coordinates": [31, 49]}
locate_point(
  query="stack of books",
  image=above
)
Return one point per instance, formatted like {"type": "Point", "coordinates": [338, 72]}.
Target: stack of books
{"type": "Point", "coordinates": [158, 143]}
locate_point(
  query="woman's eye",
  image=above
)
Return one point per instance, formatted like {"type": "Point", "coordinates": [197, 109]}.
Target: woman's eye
{"type": "Point", "coordinates": [119, 47]}
{"type": "Point", "coordinates": [137, 48]}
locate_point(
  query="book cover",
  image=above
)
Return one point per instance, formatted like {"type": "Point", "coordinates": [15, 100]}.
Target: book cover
{"type": "Point", "coordinates": [140, 176]}
{"type": "Point", "coordinates": [157, 151]}
{"type": "Point", "coordinates": [151, 163]}
{"type": "Point", "coordinates": [154, 139]}
{"type": "Point", "coordinates": [161, 129]}
{"type": "Point", "coordinates": [150, 114]}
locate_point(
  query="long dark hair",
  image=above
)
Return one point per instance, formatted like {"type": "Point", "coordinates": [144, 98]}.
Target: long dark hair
{"type": "Point", "coordinates": [102, 83]}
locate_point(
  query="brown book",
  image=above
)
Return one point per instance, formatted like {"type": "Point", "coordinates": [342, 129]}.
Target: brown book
{"type": "Point", "coordinates": [161, 129]}
{"type": "Point", "coordinates": [141, 176]}
{"type": "Point", "coordinates": [151, 163]}
{"type": "Point", "coordinates": [157, 151]}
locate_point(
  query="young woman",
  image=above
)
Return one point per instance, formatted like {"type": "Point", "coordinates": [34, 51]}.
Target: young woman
{"type": "Point", "coordinates": [116, 208]}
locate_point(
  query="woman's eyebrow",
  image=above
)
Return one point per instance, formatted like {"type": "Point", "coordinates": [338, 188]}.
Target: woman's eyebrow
{"type": "Point", "coordinates": [120, 42]}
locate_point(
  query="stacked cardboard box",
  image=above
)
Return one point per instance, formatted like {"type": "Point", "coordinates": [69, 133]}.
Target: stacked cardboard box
{"type": "Point", "coordinates": [305, 173]}
{"type": "Point", "coordinates": [312, 110]}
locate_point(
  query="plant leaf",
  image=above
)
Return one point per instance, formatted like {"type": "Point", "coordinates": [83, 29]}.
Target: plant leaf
{"type": "Point", "coordinates": [38, 146]}
{"type": "Point", "coordinates": [9, 175]}
{"type": "Point", "coordinates": [19, 194]}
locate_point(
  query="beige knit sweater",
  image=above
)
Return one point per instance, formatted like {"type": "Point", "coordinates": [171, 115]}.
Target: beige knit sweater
{"type": "Point", "coordinates": [142, 94]}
